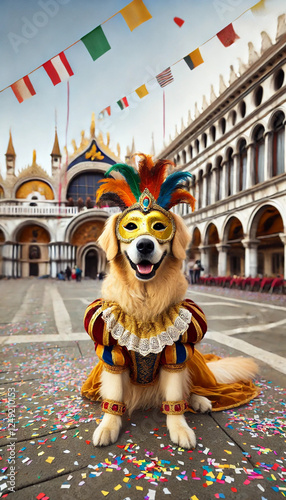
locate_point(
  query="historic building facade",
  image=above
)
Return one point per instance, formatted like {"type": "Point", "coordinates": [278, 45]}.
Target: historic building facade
{"type": "Point", "coordinates": [235, 150]}
{"type": "Point", "coordinates": [48, 223]}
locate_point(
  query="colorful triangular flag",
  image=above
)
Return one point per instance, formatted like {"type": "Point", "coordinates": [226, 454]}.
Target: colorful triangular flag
{"type": "Point", "coordinates": [123, 103]}
{"type": "Point", "coordinates": [179, 21]}
{"type": "Point", "coordinates": [23, 89]}
{"type": "Point", "coordinates": [58, 68]}
{"type": "Point", "coordinates": [96, 43]}
{"type": "Point", "coordinates": [165, 77]}
{"type": "Point", "coordinates": [135, 13]}
{"type": "Point", "coordinates": [142, 91]}
{"type": "Point", "coordinates": [194, 59]}
{"type": "Point", "coordinates": [227, 36]}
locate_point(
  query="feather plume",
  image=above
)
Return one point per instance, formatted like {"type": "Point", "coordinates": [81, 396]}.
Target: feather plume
{"type": "Point", "coordinates": [182, 196]}
{"type": "Point", "coordinates": [119, 188]}
{"type": "Point", "coordinates": [131, 176]}
{"type": "Point", "coordinates": [172, 183]}
{"type": "Point", "coordinates": [152, 175]}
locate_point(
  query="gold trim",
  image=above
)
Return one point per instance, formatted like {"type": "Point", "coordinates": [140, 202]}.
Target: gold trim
{"type": "Point", "coordinates": [92, 321]}
{"type": "Point", "coordinates": [198, 329]}
{"type": "Point", "coordinates": [171, 411]}
{"type": "Point", "coordinates": [174, 368]}
{"type": "Point", "coordinates": [107, 407]}
{"type": "Point", "coordinates": [114, 368]}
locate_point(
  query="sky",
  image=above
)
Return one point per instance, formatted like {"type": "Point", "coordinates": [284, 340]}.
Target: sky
{"type": "Point", "coordinates": [34, 31]}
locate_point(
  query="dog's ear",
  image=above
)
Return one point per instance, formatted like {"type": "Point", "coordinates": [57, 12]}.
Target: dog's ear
{"type": "Point", "coordinates": [181, 239]}
{"type": "Point", "coordinates": [108, 240]}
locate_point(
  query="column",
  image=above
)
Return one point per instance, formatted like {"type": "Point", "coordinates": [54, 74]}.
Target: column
{"type": "Point", "coordinates": [250, 257]}
{"type": "Point", "coordinates": [205, 259]}
{"type": "Point", "coordinates": [268, 158]}
{"type": "Point", "coordinates": [283, 238]}
{"type": "Point", "coordinates": [250, 165]}
{"type": "Point", "coordinates": [222, 258]}
{"type": "Point", "coordinates": [235, 173]}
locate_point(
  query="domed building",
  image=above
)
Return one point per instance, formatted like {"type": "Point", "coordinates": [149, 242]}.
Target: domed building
{"type": "Point", "coordinates": [50, 222]}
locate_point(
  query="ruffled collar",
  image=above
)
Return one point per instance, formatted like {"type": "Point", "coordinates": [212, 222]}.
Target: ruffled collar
{"type": "Point", "coordinates": [146, 337]}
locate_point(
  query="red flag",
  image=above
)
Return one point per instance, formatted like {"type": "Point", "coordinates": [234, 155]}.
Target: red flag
{"type": "Point", "coordinates": [179, 21]}
{"type": "Point", "coordinates": [23, 89]}
{"type": "Point", "coordinates": [58, 68]}
{"type": "Point", "coordinates": [227, 36]}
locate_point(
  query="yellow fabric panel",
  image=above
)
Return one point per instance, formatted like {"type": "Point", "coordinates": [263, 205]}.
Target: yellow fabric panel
{"type": "Point", "coordinates": [35, 186]}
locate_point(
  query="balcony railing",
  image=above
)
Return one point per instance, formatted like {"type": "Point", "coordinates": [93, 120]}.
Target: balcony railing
{"type": "Point", "coordinates": [52, 210]}
{"type": "Point", "coordinates": [27, 210]}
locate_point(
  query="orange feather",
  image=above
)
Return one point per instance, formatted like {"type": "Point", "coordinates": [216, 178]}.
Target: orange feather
{"type": "Point", "coordinates": [119, 187]}
{"type": "Point", "coordinates": [152, 175]}
{"type": "Point", "coordinates": [182, 196]}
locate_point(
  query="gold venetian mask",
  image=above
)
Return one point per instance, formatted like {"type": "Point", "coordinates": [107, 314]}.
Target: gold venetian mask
{"type": "Point", "coordinates": [145, 218]}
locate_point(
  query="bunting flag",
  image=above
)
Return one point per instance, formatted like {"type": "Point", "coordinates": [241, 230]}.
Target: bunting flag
{"type": "Point", "coordinates": [135, 13]}
{"type": "Point", "coordinates": [58, 68]}
{"type": "Point", "coordinates": [194, 59]}
{"type": "Point", "coordinates": [227, 36]}
{"type": "Point", "coordinates": [108, 110]}
{"type": "Point", "coordinates": [179, 21]}
{"type": "Point", "coordinates": [23, 89]}
{"type": "Point", "coordinates": [96, 43]}
{"type": "Point", "coordinates": [165, 77]}
{"type": "Point", "coordinates": [258, 8]}
{"type": "Point", "coordinates": [123, 103]}
{"type": "Point", "coordinates": [142, 91]}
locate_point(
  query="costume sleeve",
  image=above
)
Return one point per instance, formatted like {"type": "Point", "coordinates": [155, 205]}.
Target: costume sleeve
{"type": "Point", "coordinates": [95, 326]}
{"type": "Point", "coordinates": [198, 325]}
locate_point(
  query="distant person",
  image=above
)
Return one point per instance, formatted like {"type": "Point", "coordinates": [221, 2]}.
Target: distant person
{"type": "Point", "coordinates": [78, 272]}
{"type": "Point", "coordinates": [61, 276]}
{"type": "Point", "coordinates": [197, 270]}
{"type": "Point", "coordinates": [191, 272]}
{"type": "Point", "coordinates": [68, 273]}
{"type": "Point", "coordinates": [73, 274]}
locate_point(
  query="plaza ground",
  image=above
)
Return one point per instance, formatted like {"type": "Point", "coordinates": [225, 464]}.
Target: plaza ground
{"type": "Point", "coordinates": [45, 357]}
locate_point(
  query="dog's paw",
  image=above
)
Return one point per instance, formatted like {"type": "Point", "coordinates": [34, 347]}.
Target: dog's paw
{"type": "Point", "coordinates": [200, 403]}
{"type": "Point", "coordinates": [180, 432]}
{"type": "Point", "coordinates": [108, 431]}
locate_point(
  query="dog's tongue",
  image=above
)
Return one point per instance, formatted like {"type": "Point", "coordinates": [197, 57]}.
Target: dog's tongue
{"type": "Point", "coordinates": [145, 268]}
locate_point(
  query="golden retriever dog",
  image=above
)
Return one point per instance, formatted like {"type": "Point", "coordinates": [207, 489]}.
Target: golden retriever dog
{"type": "Point", "coordinates": [145, 278]}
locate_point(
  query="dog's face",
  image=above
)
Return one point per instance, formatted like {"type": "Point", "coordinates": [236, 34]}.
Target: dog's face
{"type": "Point", "coordinates": [145, 242]}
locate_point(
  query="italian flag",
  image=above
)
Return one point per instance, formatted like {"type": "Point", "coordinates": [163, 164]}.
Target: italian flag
{"type": "Point", "coordinates": [23, 89]}
{"type": "Point", "coordinates": [58, 68]}
{"type": "Point", "coordinates": [123, 103]}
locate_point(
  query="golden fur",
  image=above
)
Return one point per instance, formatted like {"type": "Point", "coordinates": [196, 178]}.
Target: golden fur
{"type": "Point", "coordinates": [144, 301]}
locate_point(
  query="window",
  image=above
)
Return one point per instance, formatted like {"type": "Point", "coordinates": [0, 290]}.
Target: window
{"type": "Point", "coordinates": [184, 156]}
{"type": "Point", "coordinates": [229, 173]}
{"type": "Point", "coordinates": [197, 145]}
{"type": "Point", "coordinates": [233, 117]}
{"type": "Point", "coordinates": [190, 151]}
{"type": "Point", "coordinates": [258, 94]}
{"type": "Point", "coordinates": [205, 140]}
{"type": "Point", "coordinates": [218, 194]}
{"type": "Point", "coordinates": [213, 132]}
{"type": "Point", "coordinates": [278, 79]}
{"type": "Point", "coordinates": [222, 125]}
{"type": "Point", "coordinates": [278, 152]}
{"type": "Point", "coordinates": [200, 204]}
{"type": "Point", "coordinates": [242, 165]}
{"type": "Point", "coordinates": [208, 184]}
{"type": "Point", "coordinates": [84, 185]}
{"type": "Point", "coordinates": [259, 155]}
{"type": "Point", "coordinates": [242, 109]}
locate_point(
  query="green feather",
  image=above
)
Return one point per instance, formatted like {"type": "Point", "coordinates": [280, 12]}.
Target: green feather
{"type": "Point", "coordinates": [131, 176]}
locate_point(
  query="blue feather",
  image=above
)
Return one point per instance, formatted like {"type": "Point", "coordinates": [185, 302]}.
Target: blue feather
{"type": "Point", "coordinates": [170, 185]}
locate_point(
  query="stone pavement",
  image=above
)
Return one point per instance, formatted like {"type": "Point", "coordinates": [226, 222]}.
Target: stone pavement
{"type": "Point", "coordinates": [47, 427]}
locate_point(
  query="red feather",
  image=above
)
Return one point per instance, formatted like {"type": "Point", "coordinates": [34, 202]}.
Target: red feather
{"type": "Point", "coordinates": [182, 196]}
{"type": "Point", "coordinates": [152, 175]}
{"type": "Point", "coordinates": [119, 187]}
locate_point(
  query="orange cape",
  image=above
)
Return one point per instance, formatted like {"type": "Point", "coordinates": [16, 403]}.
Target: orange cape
{"type": "Point", "coordinates": [222, 396]}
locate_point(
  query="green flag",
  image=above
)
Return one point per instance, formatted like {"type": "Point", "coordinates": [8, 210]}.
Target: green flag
{"type": "Point", "coordinates": [96, 43]}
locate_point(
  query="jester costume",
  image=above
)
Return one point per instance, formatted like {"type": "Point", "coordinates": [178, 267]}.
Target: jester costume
{"type": "Point", "coordinates": [124, 343]}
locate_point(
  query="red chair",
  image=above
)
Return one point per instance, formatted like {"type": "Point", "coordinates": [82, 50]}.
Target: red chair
{"type": "Point", "coordinates": [277, 283]}
{"type": "Point", "coordinates": [265, 283]}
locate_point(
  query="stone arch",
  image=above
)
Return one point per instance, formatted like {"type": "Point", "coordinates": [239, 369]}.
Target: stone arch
{"type": "Point", "coordinates": [266, 225]}
{"type": "Point", "coordinates": [233, 234]}
{"type": "Point", "coordinates": [211, 240]}
{"type": "Point", "coordinates": [91, 259]}
{"type": "Point", "coordinates": [32, 239]}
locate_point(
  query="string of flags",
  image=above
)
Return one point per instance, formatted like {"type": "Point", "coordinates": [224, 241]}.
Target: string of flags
{"type": "Point", "coordinates": [135, 13]}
